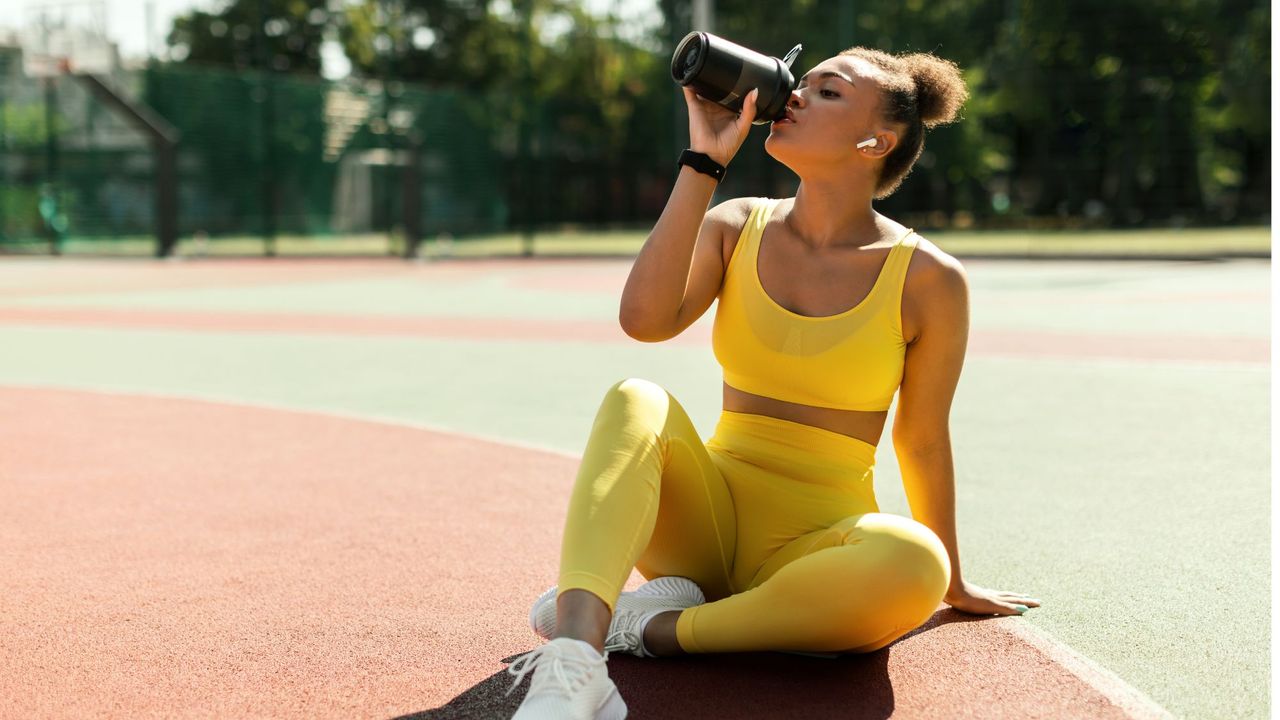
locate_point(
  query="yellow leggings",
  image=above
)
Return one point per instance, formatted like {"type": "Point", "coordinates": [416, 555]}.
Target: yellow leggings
{"type": "Point", "coordinates": [776, 521]}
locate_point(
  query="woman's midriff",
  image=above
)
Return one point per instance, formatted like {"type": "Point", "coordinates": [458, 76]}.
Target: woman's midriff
{"type": "Point", "coordinates": [866, 426]}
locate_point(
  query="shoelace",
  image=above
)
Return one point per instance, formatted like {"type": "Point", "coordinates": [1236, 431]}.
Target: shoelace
{"type": "Point", "coordinates": [568, 670]}
{"type": "Point", "coordinates": [627, 641]}
{"type": "Point", "coordinates": [628, 632]}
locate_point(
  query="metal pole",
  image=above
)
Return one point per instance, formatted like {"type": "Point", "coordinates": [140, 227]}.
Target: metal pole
{"type": "Point", "coordinates": [4, 151]}
{"type": "Point", "coordinates": [267, 129]}
{"type": "Point", "coordinates": [411, 199]}
{"type": "Point", "coordinates": [166, 197]}
{"type": "Point", "coordinates": [50, 199]}
{"type": "Point", "coordinates": [526, 113]}
{"type": "Point", "coordinates": [389, 136]}
{"type": "Point", "coordinates": [273, 190]}
{"type": "Point", "coordinates": [49, 193]}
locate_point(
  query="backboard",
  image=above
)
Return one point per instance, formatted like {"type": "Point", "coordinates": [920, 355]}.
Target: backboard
{"type": "Point", "coordinates": [66, 36]}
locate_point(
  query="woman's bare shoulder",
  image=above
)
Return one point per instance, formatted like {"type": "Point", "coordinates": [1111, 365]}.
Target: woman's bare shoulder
{"type": "Point", "coordinates": [733, 218]}
{"type": "Point", "coordinates": [932, 274]}
{"type": "Point", "coordinates": [928, 258]}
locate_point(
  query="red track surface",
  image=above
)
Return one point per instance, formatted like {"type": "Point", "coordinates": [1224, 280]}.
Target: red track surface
{"type": "Point", "coordinates": [175, 558]}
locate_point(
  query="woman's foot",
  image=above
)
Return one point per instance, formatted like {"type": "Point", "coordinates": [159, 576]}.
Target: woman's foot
{"type": "Point", "coordinates": [570, 682]}
{"type": "Point", "coordinates": [660, 635]}
{"type": "Point", "coordinates": [635, 612]}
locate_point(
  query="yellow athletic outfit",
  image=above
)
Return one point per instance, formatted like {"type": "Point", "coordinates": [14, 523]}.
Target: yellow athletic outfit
{"type": "Point", "coordinates": [775, 520]}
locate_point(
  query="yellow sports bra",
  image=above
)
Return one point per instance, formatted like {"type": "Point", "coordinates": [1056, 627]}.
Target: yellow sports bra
{"type": "Point", "coordinates": [849, 361]}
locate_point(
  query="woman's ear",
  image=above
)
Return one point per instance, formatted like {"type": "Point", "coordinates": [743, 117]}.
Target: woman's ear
{"type": "Point", "coordinates": [884, 144]}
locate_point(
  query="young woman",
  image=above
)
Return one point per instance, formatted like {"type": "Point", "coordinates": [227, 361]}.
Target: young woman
{"type": "Point", "coordinates": [768, 536]}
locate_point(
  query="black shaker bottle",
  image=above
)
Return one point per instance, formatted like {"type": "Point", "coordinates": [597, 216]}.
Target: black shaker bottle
{"type": "Point", "coordinates": [724, 72]}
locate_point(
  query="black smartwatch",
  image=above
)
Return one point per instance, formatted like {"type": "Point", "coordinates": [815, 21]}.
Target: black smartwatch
{"type": "Point", "coordinates": [702, 163]}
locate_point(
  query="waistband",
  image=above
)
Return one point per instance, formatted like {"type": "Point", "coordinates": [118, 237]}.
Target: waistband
{"type": "Point", "coordinates": [792, 446]}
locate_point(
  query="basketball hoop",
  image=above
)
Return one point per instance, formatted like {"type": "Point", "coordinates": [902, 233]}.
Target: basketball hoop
{"type": "Point", "coordinates": [66, 36]}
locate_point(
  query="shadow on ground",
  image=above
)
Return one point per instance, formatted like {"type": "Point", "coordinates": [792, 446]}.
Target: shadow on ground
{"type": "Point", "coordinates": [728, 685]}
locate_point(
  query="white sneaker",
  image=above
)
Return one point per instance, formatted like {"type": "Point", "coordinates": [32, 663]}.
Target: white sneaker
{"type": "Point", "coordinates": [630, 614]}
{"type": "Point", "coordinates": [571, 683]}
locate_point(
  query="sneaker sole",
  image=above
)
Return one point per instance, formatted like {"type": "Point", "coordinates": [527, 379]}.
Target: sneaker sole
{"type": "Point", "coordinates": [614, 708]}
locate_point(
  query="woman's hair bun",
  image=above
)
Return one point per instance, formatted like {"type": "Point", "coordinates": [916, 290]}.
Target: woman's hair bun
{"type": "Point", "coordinates": [940, 89]}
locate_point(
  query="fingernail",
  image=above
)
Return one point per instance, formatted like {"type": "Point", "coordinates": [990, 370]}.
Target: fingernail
{"type": "Point", "coordinates": [1020, 608]}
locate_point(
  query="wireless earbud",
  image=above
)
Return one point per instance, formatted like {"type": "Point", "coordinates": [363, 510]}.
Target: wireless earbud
{"type": "Point", "coordinates": [868, 142]}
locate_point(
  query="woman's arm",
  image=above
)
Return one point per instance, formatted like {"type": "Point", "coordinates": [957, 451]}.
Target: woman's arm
{"type": "Point", "coordinates": [659, 278]}
{"type": "Point", "coordinates": [921, 430]}
{"type": "Point", "coordinates": [921, 434]}
{"type": "Point", "coordinates": [656, 287]}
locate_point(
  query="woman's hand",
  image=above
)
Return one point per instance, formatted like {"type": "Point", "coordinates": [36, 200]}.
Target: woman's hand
{"type": "Point", "coordinates": [981, 601]}
{"type": "Point", "coordinates": [714, 129]}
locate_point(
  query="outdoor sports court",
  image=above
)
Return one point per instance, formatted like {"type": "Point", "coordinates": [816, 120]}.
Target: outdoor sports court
{"type": "Point", "coordinates": [332, 488]}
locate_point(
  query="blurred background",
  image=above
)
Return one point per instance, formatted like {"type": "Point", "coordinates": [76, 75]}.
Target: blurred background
{"type": "Point", "coordinates": [421, 128]}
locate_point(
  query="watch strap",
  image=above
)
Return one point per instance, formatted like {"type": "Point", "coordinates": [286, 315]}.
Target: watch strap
{"type": "Point", "coordinates": [702, 163]}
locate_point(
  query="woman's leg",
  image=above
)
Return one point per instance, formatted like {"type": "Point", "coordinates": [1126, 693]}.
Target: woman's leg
{"type": "Point", "coordinates": [647, 496]}
{"type": "Point", "coordinates": [853, 587]}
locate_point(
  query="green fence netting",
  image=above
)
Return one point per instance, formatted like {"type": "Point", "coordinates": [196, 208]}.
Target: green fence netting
{"type": "Point", "coordinates": [260, 155]}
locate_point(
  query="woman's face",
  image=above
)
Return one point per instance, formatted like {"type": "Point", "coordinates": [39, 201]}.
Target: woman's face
{"type": "Point", "coordinates": [832, 115]}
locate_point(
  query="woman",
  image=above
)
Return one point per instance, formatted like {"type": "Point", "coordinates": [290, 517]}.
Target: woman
{"type": "Point", "coordinates": [768, 536]}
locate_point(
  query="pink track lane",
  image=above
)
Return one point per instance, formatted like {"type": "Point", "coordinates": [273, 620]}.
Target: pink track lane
{"type": "Point", "coordinates": [42, 277]}
{"type": "Point", "coordinates": [180, 558]}
{"type": "Point", "coordinates": [1002, 343]}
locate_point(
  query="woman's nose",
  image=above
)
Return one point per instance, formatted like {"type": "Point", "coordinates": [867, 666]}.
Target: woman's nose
{"type": "Point", "coordinates": [795, 99]}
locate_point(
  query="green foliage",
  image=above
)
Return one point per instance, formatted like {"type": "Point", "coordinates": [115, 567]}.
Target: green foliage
{"type": "Point", "coordinates": [1123, 111]}
{"type": "Point", "coordinates": [282, 35]}
{"type": "Point", "coordinates": [20, 213]}
{"type": "Point", "coordinates": [25, 125]}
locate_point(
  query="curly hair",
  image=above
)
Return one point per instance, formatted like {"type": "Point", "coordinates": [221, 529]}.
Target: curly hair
{"type": "Point", "coordinates": [920, 90]}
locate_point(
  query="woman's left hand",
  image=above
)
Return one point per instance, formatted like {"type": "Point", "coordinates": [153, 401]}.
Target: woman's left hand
{"type": "Point", "coordinates": [981, 601]}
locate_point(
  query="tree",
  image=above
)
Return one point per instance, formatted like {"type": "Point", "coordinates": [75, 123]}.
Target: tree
{"type": "Point", "coordinates": [280, 35]}
{"type": "Point", "coordinates": [566, 81]}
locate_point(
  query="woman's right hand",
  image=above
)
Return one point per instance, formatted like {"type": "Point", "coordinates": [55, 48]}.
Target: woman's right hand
{"type": "Point", "coordinates": [716, 130]}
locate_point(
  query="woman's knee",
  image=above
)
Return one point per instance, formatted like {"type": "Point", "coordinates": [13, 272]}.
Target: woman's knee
{"type": "Point", "coordinates": [638, 388]}
{"type": "Point", "coordinates": [912, 561]}
{"type": "Point", "coordinates": [639, 398]}
{"type": "Point", "coordinates": [639, 391]}
{"type": "Point", "coordinates": [906, 581]}
{"type": "Point", "coordinates": [923, 569]}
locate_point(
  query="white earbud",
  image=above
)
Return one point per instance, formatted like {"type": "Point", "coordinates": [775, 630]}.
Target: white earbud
{"type": "Point", "coordinates": [868, 142]}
